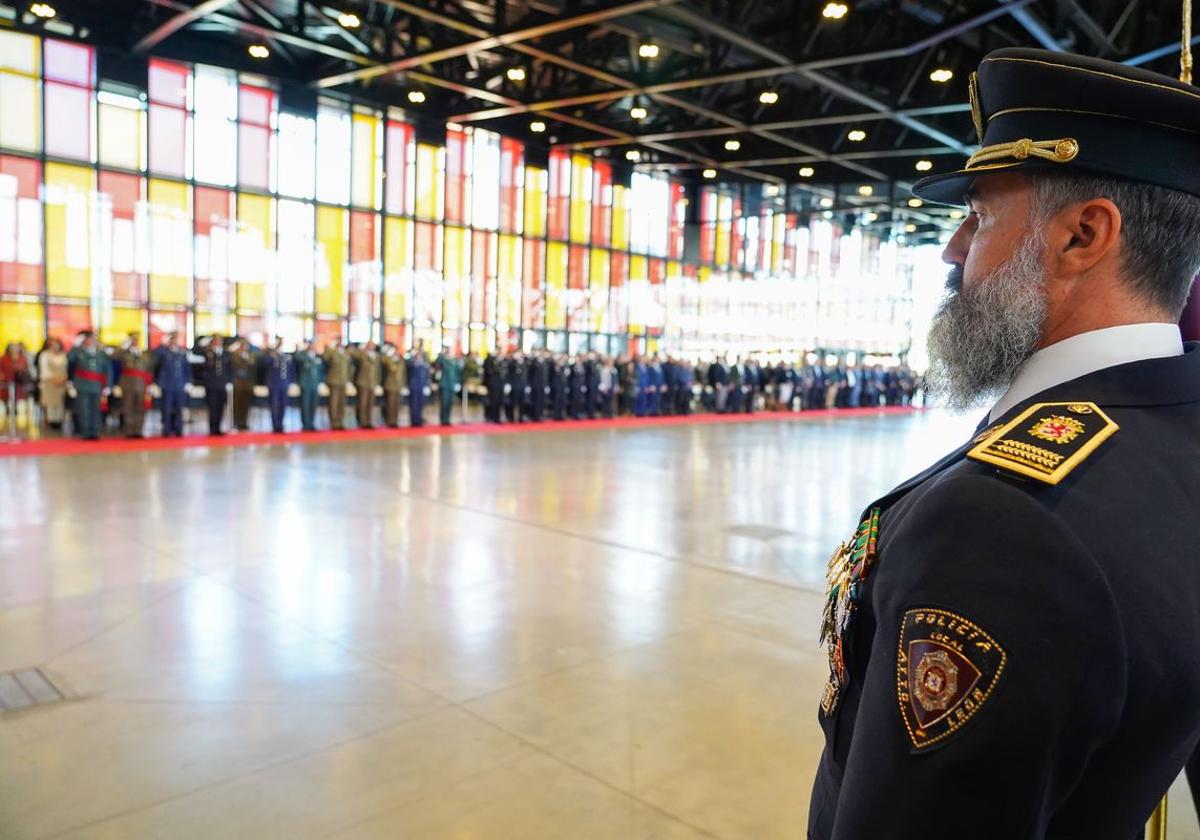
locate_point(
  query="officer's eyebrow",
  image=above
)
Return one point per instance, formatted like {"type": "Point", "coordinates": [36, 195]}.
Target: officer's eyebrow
{"type": "Point", "coordinates": [971, 196]}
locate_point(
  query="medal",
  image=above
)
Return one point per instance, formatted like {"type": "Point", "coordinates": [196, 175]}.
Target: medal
{"type": "Point", "coordinates": [845, 576]}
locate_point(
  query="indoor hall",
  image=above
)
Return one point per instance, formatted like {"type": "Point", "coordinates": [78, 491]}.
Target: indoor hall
{"type": "Point", "coordinates": [560, 418]}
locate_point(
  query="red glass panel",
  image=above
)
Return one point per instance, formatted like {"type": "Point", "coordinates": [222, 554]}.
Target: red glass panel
{"type": "Point", "coordinates": [428, 255]}
{"type": "Point", "coordinates": [512, 156]}
{"type": "Point", "coordinates": [397, 334]}
{"type": "Point", "coordinates": [74, 64]}
{"type": "Point", "coordinates": [678, 215]}
{"type": "Point", "coordinates": [617, 281]}
{"type": "Point", "coordinates": [399, 136]}
{"type": "Point", "coordinates": [168, 140]}
{"type": "Point", "coordinates": [68, 121]}
{"type": "Point", "coordinates": [558, 203]}
{"type": "Point", "coordinates": [163, 321]}
{"type": "Point", "coordinates": [533, 307]}
{"type": "Point", "coordinates": [483, 277]}
{"type": "Point", "coordinates": [20, 226]}
{"type": "Point", "coordinates": [366, 274]}
{"type": "Point", "coordinates": [253, 328]}
{"type": "Point", "coordinates": [125, 193]}
{"type": "Point", "coordinates": [254, 156]}
{"type": "Point", "coordinates": [577, 291]}
{"type": "Point", "coordinates": [327, 330]}
{"type": "Point", "coordinates": [456, 176]}
{"type": "Point", "coordinates": [167, 83]}
{"type": "Point", "coordinates": [255, 105]}
{"type": "Point", "coordinates": [601, 202]}
{"type": "Point", "coordinates": [66, 321]}
{"type": "Point", "coordinates": [213, 210]}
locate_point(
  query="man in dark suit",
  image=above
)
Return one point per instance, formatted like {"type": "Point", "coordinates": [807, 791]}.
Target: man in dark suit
{"type": "Point", "coordinates": [217, 372]}
{"type": "Point", "coordinates": [1013, 635]}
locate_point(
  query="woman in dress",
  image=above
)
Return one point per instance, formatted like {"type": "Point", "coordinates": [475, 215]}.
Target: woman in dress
{"type": "Point", "coordinates": [52, 378]}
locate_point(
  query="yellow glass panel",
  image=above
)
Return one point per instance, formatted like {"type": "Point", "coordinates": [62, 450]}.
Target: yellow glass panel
{"type": "Point", "coordinates": [69, 192]}
{"type": "Point", "coordinates": [454, 275]}
{"type": "Point", "coordinates": [21, 126]}
{"type": "Point", "coordinates": [331, 260]}
{"type": "Point", "coordinates": [508, 270]}
{"type": "Point", "coordinates": [116, 323]}
{"type": "Point", "coordinates": [208, 323]}
{"type": "Point", "coordinates": [723, 229]}
{"type": "Point", "coordinates": [21, 321]}
{"type": "Point", "coordinates": [429, 183]}
{"type": "Point", "coordinates": [639, 292]}
{"type": "Point", "coordinates": [535, 201]}
{"type": "Point", "coordinates": [556, 285]}
{"type": "Point", "coordinates": [253, 251]}
{"type": "Point", "coordinates": [598, 283]}
{"type": "Point", "coordinates": [367, 161]}
{"type": "Point", "coordinates": [397, 268]}
{"type": "Point", "coordinates": [122, 136]}
{"type": "Point", "coordinates": [170, 242]}
{"type": "Point", "coordinates": [620, 218]}
{"type": "Point", "coordinates": [581, 204]}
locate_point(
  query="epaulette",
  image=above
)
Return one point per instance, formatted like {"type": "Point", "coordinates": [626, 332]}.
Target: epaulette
{"type": "Point", "coordinates": [1046, 441]}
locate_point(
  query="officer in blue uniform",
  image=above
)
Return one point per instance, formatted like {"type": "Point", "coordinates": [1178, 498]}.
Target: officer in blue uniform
{"type": "Point", "coordinates": [172, 374]}
{"type": "Point", "coordinates": [217, 373]}
{"type": "Point", "coordinates": [641, 380]}
{"type": "Point", "coordinates": [1013, 635]}
{"type": "Point", "coordinates": [418, 381]}
{"type": "Point", "coordinates": [281, 373]}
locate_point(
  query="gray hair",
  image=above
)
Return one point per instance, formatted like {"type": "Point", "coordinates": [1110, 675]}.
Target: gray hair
{"type": "Point", "coordinates": [1161, 230]}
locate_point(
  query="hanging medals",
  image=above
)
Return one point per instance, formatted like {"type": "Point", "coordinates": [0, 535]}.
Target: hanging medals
{"type": "Point", "coordinates": [845, 575]}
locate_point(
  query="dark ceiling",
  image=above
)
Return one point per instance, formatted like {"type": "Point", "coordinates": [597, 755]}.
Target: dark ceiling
{"type": "Point", "coordinates": [583, 73]}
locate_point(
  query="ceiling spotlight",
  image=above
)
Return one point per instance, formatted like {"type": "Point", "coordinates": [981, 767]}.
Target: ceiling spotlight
{"type": "Point", "coordinates": [709, 173]}
{"type": "Point", "coordinates": [910, 228]}
{"type": "Point", "coordinates": [43, 10]}
{"type": "Point", "coordinates": [956, 214]}
{"type": "Point", "coordinates": [537, 126]}
{"type": "Point", "coordinates": [771, 190]}
{"type": "Point", "coordinates": [633, 156]}
{"type": "Point", "coordinates": [807, 171]}
{"type": "Point", "coordinates": [516, 74]}
{"type": "Point", "coordinates": [349, 20]}
{"type": "Point", "coordinates": [924, 165]}
{"type": "Point", "coordinates": [857, 136]}
{"type": "Point", "coordinates": [826, 202]}
{"type": "Point", "coordinates": [638, 112]}
{"type": "Point", "coordinates": [872, 216]}
{"type": "Point", "coordinates": [648, 50]}
{"type": "Point", "coordinates": [768, 97]}
{"type": "Point", "coordinates": [865, 190]}
{"type": "Point", "coordinates": [733, 145]}
{"type": "Point", "coordinates": [258, 51]}
{"type": "Point", "coordinates": [915, 202]}
{"type": "Point", "coordinates": [416, 97]}
{"type": "Point", "coordinates": [941, 75]}
{"type": "Point", "coordinates": [835, 11]}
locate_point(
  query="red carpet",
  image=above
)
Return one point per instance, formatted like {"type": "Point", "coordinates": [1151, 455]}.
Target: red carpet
{"type": "Point", "coordinates": [72, 446]}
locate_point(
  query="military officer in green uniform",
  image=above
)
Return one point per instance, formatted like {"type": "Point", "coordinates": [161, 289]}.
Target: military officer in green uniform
{"type": "Point", "coordinates": [395, 379]}
{"type": "Point", "coordinates": [90, 371]}
{"type": "Point", "coordinates": [1013, 635]}
{"type": "Point", "coordinates": [310, 370]}
{"type": "Point", "coordinates": [337, 374]}
{"type": "Point", "coordinates": [366, 378]}
{"type": "Point", "coordinates": [449, 371]}
{"type": "Point", "coordinates": [137, 372]}
{"type": "Point", "coordinates": [244, 363]}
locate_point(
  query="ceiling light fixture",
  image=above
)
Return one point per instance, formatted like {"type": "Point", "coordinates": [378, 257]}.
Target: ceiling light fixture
{"type": "Point", "coordinates": [807, 171]}
{"type": "Point", "coordinates": [43, 10]}
{"type": "Point", "coordinates": [633, 155]}
{"type": "Point", "coordinates": [416, 97]}
{"type": "Point", "coordinates": [826, 202]}
{"type": "Point", "coordinates": [638, 112]}
{"type": "Point", "coordinates": [258, 51]}
{"type": "Point", "coordinates": [865, 190]}
{"type": "Point", "coordinates": [768, 97]}
{"type": "Point", "coordinates": [771, 190]}
{"type": "Point", "coordinates": [924, 165]}
{"type": "Point", "coordinates": [915, 202]}
{"type": "Point", "coordinates": [956, 214]}
{"type": "Point", "coordinates": [871, 217]}
{"type": "Point", "coordinates": [709, 173]}
{"type": "Point", "coordinates": [910, 228]}
{"type": "Point", "coordinates": [733, 145]}
{"type": "Point", "coordinates": [648, 50]}
{"type": "Point", "coordinates": [857, 136]}
{"type": "Point", "coordinates": [941, 75]}
{"type": "Point", "coordinates": [516, 74]}
{"type": "Point", "coordinates": [349, 20]}
{"type": "Point", "coordinates": [835, 11]}
{"type": "Point", "coordinates": [537, 126]}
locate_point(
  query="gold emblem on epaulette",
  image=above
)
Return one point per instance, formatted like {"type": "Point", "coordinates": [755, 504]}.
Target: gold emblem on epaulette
{"type": "Point", "coordinates": [1018, 446]}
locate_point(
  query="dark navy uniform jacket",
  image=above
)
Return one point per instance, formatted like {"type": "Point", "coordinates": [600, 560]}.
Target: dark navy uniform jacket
{"type": "Point", "coordinates": [1092, 590]}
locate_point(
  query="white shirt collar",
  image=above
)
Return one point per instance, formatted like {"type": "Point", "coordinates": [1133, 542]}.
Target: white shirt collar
{"type": "Point", "coordinates": [1087, 353]}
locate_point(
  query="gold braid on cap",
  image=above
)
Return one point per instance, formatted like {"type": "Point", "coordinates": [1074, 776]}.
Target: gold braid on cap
{"type": "Point", "coordinates": [1058, 151]}
{"type": "Point", "coordinates": [1185, 54]}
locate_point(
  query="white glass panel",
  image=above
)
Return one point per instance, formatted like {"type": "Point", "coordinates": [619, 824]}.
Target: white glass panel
{"type": "Point", "coordinates": [333, 155]}
{"type": "Point", "coordinates": [22, 113]}
{"type": "Point", "coordinates": [294, 266]}
{"type": "Point", "coordinates": [486, 179]}
{"type": "Point", "coordinates": [215, 129]}
{"type": "Point", "coordinates": [121, 141]}
{"type": "Point", "coordinates": [297, 155]}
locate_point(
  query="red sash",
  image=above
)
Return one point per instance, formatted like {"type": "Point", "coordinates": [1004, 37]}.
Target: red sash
{"type": "Point", "coordinates": [137, 373]}
{"type": "Point", "coordinates": [92, 376]}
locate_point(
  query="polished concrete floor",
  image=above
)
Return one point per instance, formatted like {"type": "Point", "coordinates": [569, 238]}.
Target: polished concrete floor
{"type": "Point", "coordinates": [586, 634]}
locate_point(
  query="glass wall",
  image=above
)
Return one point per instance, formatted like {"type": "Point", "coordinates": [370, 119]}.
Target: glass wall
{"type": "Point", "coordinates": [200, 204]}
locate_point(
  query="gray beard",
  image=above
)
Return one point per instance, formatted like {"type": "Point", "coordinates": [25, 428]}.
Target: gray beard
{"type": "Point", "coordinates": [982, 336]}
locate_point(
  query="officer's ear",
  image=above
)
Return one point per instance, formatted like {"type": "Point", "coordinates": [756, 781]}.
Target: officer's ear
{"type": "Point", "coordinates": [1083, 236]}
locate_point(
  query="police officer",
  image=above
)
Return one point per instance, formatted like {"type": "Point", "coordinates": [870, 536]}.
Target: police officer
{"type": "Point", "coordinates": [244, 366]}
{"type": "Point", "coordinates": [172, 374]}
{"type": "Point", "coordinates": [395, 378]}
{"type": "Point", "coordinates": [535, 375]}
{"type": "Point", "coordinates": [493, 381]}
{"type": "Point", "coordinates": [418, 384]}
{"type": "Point", "coordinates": [217, 373]}
{"type": "Point", "coordinates": [1013, 635]}
{"type": "Point", "coordinates": [90, 371]}
{"type": "Point", "coordinates": [136, 376]}
{"type": "Point", "coordinates": [281, 373]}
{"type": "Point", "coordinates": [560, 386]}
{"type": "Point", "coordinates": [337, 374]}
{"type": "Point", "coordinates": [449, 371]}
{"type": "Point", "coordinates": [366, 378]}
{"type": "Point", "coordinates": [310, 373]}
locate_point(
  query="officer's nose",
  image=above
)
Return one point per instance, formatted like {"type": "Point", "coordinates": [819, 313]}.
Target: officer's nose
{"type": "Point", "coordinates": [959, 245]}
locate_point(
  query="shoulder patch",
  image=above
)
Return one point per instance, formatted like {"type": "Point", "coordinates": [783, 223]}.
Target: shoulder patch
{"type": "Point", "coordinates": [1047, 440]}
{"type": "Point", "coordinates": [946, 669]}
